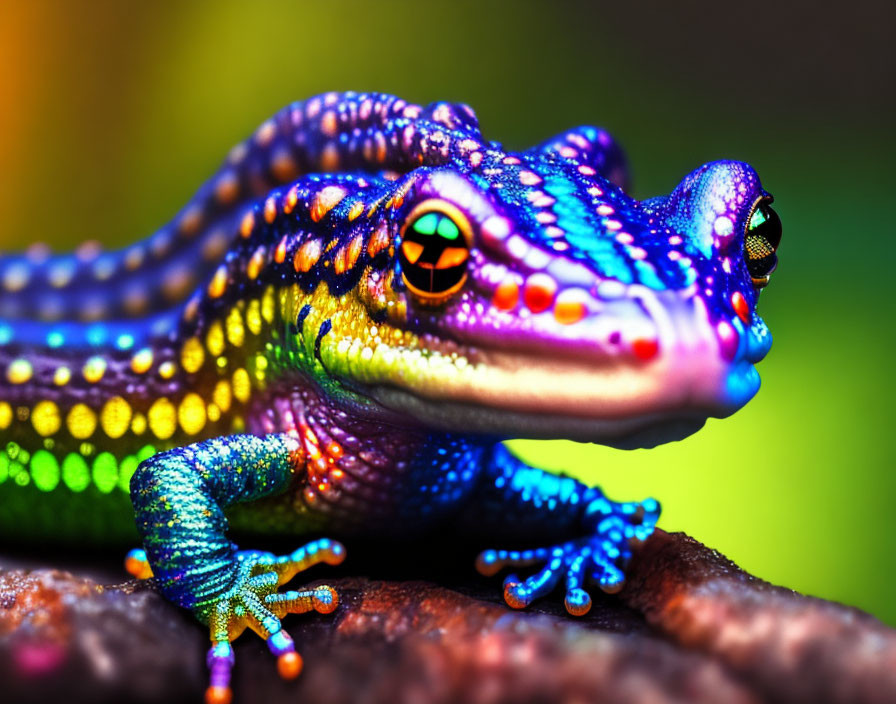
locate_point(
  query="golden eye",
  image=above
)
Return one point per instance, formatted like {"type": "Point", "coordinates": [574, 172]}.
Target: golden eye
{"type": "Point", "coordinates": [435, 248]}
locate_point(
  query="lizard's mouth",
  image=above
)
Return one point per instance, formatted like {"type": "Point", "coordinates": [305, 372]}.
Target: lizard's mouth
{"type": "Point", "coordinates": [632, 399]}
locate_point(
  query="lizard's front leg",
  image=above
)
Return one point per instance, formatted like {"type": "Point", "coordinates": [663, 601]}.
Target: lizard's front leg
{"type": "Point", "coordinates": [179, 497]}
{"type": "Point", "coordinates": [594, 535]}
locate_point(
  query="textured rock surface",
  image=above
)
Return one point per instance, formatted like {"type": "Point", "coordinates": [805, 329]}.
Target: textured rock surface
{"type": "Point", "coordinates": [689, 627]}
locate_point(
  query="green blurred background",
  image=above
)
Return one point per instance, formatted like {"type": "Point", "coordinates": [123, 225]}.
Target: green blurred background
{"type": "Point", "coordinates": [112, 114]}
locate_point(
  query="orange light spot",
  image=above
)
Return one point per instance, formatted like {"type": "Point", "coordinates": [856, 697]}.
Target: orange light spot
{"type": "Point", "coordinates": [329, 158]}
{"type": "Point", "coordinates": [190, 221]}
{"type": "Point", "coordinates": [256, 263]}
{"type": "Point", "coordinates": [247, 224]}
{"type": "Point", "coordinates": [378, 241]}
{"type": "Point", "coordinates": [645, 349]}
{"type": "Point", "coordinates": [289, 665]}
{"type": "Point", "coordinates": [270, 210]}
{"type": "Point", "coordinates": [307, 255]}
{"type": "Point", "coordinates": [539, 292]}
{"type": "Point", "coordinates": [328, 124]}
{"type": "Point", "coordinates": [334, 449]}
{"type": "Point", "coordinates": [570, 306]}
{"type": "Point", "coordinates": [283, 166]}
{"type": "Point", "coordinates": [740, 305]}
{"type": "Point", "coordinates": [412, 251]}
{"type": "Point", "coordinates": [280, 252]}
{"type": "Point", "coordinates": [218, 284]}
{"type": "Point", "coordinates": [292, 198]}
{"type": "Point", "coordinates": [355, 211]}
{"type": "Point", "coordinates": [507, 295]}
{"type": "Point", "coordinates": [326, 199]}
{"type": "Point", "coordinates": [227, 188]}
{"type": "Point", "coordinates": [352, 252]}
{"type": "Point", "coordinates": [218, 695]}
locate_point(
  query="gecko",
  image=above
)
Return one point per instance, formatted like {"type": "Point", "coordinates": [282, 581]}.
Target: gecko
{"type": "Point", "coordinates": [337, 333]}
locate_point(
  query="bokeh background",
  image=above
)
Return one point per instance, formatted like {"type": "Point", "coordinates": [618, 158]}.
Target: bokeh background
{"type": "Point", "coordinates": [112, 114]}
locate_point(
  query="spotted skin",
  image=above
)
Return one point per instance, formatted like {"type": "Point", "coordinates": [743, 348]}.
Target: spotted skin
{"type": "Point", "coordinates": [336, 333]}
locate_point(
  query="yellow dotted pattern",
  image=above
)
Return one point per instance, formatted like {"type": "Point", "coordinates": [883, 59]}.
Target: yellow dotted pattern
{"type": "Point", "coordinates": [46, 418]}
{"type": "Point", "coordinates": [81, 421]}
{"type": "Point", "coordinates": [191, 414]}
{"type": "Point", "coordinates": [163, 418]}
{"type": "Point", "coordinates": [241, 385]}
{"type": "Point", "coordinates": [192, 356]}
{"type": "Point", "coordinates": [115, 418]}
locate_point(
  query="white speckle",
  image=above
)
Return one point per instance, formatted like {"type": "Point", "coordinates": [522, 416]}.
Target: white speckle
{"type": "Point", "coordinates": [723, 226]}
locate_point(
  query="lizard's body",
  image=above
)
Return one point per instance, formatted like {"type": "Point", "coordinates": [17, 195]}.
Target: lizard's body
{"type": "Point", "coordinates": [339, 329]}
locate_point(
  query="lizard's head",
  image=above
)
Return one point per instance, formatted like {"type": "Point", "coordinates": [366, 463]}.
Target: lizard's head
{"type": "Point", "coordinates": [528, 295]}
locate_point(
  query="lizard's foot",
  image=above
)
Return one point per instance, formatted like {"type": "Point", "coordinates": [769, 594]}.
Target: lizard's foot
{"type": "Point", "coordinates": [137, 564]}
{"type": "Point", "coordinates": [254, 602]}
{"type": "Point", "coordinates": [601, 556]}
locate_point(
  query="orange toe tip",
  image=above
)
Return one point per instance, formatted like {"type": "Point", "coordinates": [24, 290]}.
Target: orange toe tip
{"type": "Point", "coordinates": [513, 601]}
{"type": "Point", "coordinates": [578, 610]}
{"type": "Point", "coordinates": [218, 695]}
{"type": "Point", "coordinates": [138, 568]}
{"type": "Point", "coordinates": [329, 604]}
{"type": "Point", "coordinates": [487, 569]}
{"type": "Point", "coordinates": [289, 665]}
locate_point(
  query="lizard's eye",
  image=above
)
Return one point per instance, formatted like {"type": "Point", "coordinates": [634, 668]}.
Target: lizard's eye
{"type": "Point", "coordinates": [761, 240]}
{"type": "Point", "coordinates": [435, 247]}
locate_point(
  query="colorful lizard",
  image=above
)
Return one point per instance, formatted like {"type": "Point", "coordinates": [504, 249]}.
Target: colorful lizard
{"type": "Point", "coordinates": [377, 297]}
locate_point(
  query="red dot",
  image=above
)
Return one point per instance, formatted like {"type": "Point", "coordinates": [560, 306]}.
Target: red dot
{"type": "Point", "coordinates": [645, 349]}
{"type": "Point", "coordinates": [539, 292]}
{"type": "Point", "coordinates": [740, 305]}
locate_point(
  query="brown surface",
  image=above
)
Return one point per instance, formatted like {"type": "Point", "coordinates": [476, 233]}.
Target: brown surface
{"type": "Point", "coordinates": [690, 626]}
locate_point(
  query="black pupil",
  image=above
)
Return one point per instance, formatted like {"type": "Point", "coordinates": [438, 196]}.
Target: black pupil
{"type": "Point", "coordinates": [761, 240]}
{"type": "Point", "coordinates": [434, 254]}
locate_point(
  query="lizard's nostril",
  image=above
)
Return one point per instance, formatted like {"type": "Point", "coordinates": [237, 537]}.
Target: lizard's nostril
{"type": "Point", "coordinates": [761, 241]}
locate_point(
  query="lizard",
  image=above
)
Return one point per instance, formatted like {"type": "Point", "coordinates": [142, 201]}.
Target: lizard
{"type": "Point", "coordinates": [336, 334]}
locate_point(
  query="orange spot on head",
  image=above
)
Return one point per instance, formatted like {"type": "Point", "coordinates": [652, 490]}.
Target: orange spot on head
{"type": "Point", "coordinates": [507, 295]}
{"type": "Point", "coordinates": [740, 305]}
{"type": "Point", "coordinates": [539, 292]}
{"type": "Point", "coordinates": [644, 348]}
{"type": "Point", "coordinates": [570, 306]}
